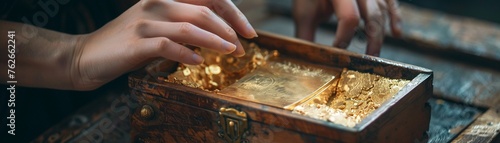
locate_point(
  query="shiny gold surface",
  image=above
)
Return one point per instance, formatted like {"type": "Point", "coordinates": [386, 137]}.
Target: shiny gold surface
{"type": "Point", "coordinates": [357, 95]}
{"type": "Point", "coordinates": [282, 83]}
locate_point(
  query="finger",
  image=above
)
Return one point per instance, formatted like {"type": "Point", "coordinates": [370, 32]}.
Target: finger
{"type": "Point", "coordinates": [348, 17]}
{"type": "Point", "coordinates": [303, 14]}
{"type": "Point", "coordinates": [374, 25]}
{"type": "Point", "coordinates": [163, 47]}
{"type": "Point", "coordinates": [395, 16]}
{"type": "Point", "coordinates": [204, 18]}
{"type": "Point", "coordinates": [229, 12]}
{"type": "Point", "coordinates": [187, 33]}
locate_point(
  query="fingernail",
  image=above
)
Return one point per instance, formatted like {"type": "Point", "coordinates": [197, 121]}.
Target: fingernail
{"type": "Point", "coordinates": [398, 31]}
{"type": "Point", "coordinates": [240, 55]}
{"type": "Point", "coordinates": [240, 52]}
{"type": "Point", "coordinates": [228, 47]}
{"type": "Point", "coordinates": [251, 30]}
{"type": "Point", "coordinates": [342, 45]}
{"type": "Point", "coordinates": [197, 59]}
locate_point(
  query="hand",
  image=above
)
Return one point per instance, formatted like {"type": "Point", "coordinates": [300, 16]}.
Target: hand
{"type": "Point", "coordinates": [156, 28]}
{"type": "Point", "coordinates": [309, 13]}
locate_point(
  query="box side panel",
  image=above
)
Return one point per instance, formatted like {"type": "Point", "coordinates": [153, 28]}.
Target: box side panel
{"type": "Point", "coordinates": [406, 119]}
{"type": "Point", "coordinates": [410, 125]}
{"type": "Point", "coordinates": [178, 122]}
{"type": "Point", "coordinates": [171, 122]}
{"type": "Point", "coordinates": [257, 112]}
{"type": "Point", "coordinates": [416, 95]}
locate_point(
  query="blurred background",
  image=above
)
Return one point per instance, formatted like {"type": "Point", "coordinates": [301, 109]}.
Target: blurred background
{"type": "Point", "coordinates": [458, 39]}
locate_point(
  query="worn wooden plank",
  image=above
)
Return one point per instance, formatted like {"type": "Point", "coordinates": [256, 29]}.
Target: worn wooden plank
{"type": "Point", "coordinates": [448, 119]}
{"type": "Point", "coordinates": [450, 33]}
{"type": "Point", "coordinates": [454, 80]}
{"type": "Point", "coordinates": [485, 129]}
{"type": "Point", "coordinates": [104, 120]}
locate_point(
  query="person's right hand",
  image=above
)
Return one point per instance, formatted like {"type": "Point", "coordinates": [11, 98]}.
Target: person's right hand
{"type": "Point", "coordinates": [157, 28]}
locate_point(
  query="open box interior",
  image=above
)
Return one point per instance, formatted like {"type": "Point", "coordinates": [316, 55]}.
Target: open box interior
{"type": "Point", "coordinates": [266, 76]}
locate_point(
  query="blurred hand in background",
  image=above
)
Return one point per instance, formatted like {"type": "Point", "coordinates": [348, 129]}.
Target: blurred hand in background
{"type": "Point", "coordinates": [308, 14]}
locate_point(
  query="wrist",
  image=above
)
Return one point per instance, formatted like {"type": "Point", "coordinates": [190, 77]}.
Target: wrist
{"type": "Point", "coordinates": [73, 69]}
{"type": "Point", "coordinates": [58, 68]}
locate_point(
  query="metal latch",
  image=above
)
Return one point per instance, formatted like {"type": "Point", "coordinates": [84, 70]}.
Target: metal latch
{"type": "Point", "coordinates": [234, 124]}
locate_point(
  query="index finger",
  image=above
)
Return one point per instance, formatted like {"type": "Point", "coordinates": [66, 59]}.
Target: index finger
{"type": "Point", "coordinates": [395, 16]}
{"type": "Point", "coordinates": [230, 13]}
{"type": "Point", "coordinates": [348, 16]}
{"type": "Point", "coordinates": [374, 24]}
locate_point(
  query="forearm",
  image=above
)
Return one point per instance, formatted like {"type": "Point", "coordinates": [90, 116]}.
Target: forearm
{"type": "Point", "coordinates": [43, 58]}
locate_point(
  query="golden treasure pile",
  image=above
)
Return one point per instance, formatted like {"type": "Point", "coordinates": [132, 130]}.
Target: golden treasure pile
{"type": "Point", "coordinates": [340, 96]}
{"type": "Point", "coordinates": [219, 71]}
{"type": "Point", "coordinates": [355, 97]}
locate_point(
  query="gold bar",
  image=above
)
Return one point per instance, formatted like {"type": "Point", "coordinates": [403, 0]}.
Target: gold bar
{"type": "Point", "coordinates": [282, 83]}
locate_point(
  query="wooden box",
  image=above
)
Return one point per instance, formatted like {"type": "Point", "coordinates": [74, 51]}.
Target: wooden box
{"type": "Point", "coordinates": [170, 112]}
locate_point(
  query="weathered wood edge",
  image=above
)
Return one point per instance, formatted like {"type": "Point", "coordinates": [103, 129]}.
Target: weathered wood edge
{"type": "Point", "coordinates": [330, 56]}
{"type": "Point", "coordinates": [393, 106]}
{"type": "Point", "coordinates": [484, 129]}
{"type": "Point", "coordinates": [451, 33]}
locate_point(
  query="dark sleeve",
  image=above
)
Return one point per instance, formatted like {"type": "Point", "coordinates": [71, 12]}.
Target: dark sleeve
{"type": "Point", "coordinates": [72, 17]}
{"type": "Point", "coordinates": [5, 8]}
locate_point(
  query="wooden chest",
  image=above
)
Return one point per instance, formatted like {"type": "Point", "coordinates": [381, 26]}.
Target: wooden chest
{"type": "Point", "coordinates": [170, 112]}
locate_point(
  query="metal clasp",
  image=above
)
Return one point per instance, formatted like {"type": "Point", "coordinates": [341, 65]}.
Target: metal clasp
{"type": "Point", "coordinates": [234, 124]}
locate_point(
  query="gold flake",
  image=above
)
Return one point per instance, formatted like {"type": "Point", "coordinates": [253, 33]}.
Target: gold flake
{"type": "Point", "coordinates": [186, 72]}
{"type": "Point", "coordinates": [276, 53]}
{"type": "Point", "coordinates": [214, 69]}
